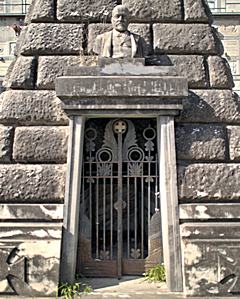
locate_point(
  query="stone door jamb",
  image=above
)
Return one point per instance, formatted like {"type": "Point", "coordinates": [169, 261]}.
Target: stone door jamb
{"type": "Point", "coordinates": [168, 195]}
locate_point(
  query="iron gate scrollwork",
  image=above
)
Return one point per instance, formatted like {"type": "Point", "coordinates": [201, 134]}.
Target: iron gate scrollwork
{"type": "Point", "coordinates": [120, 194]}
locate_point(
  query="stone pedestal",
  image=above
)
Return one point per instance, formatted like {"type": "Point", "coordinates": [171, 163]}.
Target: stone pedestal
{"type": "Point", "coordinates": [124, 88]}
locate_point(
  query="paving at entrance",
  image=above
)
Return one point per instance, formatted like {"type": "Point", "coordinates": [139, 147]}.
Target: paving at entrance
{"type": "Point", "coordinates": [126, 288]}
{"type": "Point", "coordinates": [133, 288]}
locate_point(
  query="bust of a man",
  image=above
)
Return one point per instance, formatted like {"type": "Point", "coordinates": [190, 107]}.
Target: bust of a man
{"type": "Point", "coordinates": [120, 42]}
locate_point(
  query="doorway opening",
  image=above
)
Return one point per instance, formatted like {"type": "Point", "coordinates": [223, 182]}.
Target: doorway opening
{"type": "Point", "coordinates": [120, 220]}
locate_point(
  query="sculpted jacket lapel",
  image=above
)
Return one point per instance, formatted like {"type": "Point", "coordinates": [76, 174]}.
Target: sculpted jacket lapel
{"type": "Point", "coordinates": [134, 42]}
{"type": "Point", "coordinates": [107, 44]}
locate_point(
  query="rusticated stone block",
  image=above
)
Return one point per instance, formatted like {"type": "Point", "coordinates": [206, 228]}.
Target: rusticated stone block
{"type": "Point", "coordinates": [200, 142]}
{"type": "Point", "coordinates": [209, 211]}
{"type": "Point", "coordinates": [144, 31]}
{"type": "Point", "coordinates": [22, 74]}
{"type": "Point", "coordinates": [219, 231]}
{"type": "Point", "coordinates": [141, 29]}
{"type": "Point", "coordinates": [40, 11]}
{"type": "Point", "coordinates": [211, 258]}
{"type": "Point", "coordinates": [40, 212]}
{"type": "Point", "coordinates": [234, 142]}
{"type": "Point", "coordinates": [6, 79]}
{"type": "Point", "coordinates": [211, 106]}
{"type": "Point", "coordinates": [197, 77]}
{"type": "Point", "coordinates": [40, 144]}
{"type": "Point", "coordinates": [29, 259]}
{"type": "Point", "coordinates": [197, 11]}
{"type": "Point", "coordinates": [31, 107]}
{"type": "Point", "coordinates": [154, 10]}
{"type": "Point", "coordinates": [51, 67]}
{"type": "Point", "coordinates": [209, 181]}
{"type": "Point", "coordinates": [184, 39]}
{"type": "Point", "coordinates": [79, 11]}
{"type": "Point", "coordinates": [220, 73]}
{"type": "Point", "coordinates": [29, 183]}
{"type": "Point", "coordinates": [50, 39]}
{"type": "Point", "coordinates": [6, 134]}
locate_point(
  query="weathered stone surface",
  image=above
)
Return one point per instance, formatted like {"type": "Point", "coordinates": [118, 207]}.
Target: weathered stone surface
{"type": "Point", "coordinates": [34, 255]}
{"type": "Point", "coordinates": [210, 231]}
{"type": "Point", "coordinates": [196, 75]}
{"type": "Point", "coordinates": [120, 86]}
{"type": "Point", "coordinates": [197, 11]}
{"type": "Point", "coordinates": [6, 79]}
{"type": "Point", "coordinates": [79, 11]}
{"type": "Point", "coordinates": [88, 60]}
{"type": "Point", "coordinates": [51, 67]}
{"type": "Point", "coordinates": [196, 211]}
{"type": "Point", "coordinates": [144, 31]}
{"type": "Point", "coordinates": [22, 74]}
{"type": "Point", "coordinates": [184, 39]}
{"type": "Point", "coordinates": [29, 183]}
{"type": "Point", "coordinates": [209, 182]}
{"type": "Point", "coordinates": [40, 11]}
{"type": "Point", "coordinates": [40, 212]}
{"type": "Point", "coordinates": [37, 231]}
{"type": "Point", "coordinates": [6, 134]}
{"type": "Point", "coordinates": [234, 142]}
{"type": "Point", "coordinates": [200, 142]}
{"type": "Point", "coordinates": [154, 10]}
{"type": "Point", "coordinates": [95, 29]}
{"type": "Point", "coordinates": [220, 73]}
{"type": "Point", "coordinates": [122, 67]}
{"type": "Point", "coordinates": [31, 107]}
{"type": "Point", "coordinates": [40, 144]}
{"type": "Point", "coordinates": [211, 106]}
{"type": "Point", "coordinates": [211, 258]}
{"type": "Point", "coordinates": [50, 39]}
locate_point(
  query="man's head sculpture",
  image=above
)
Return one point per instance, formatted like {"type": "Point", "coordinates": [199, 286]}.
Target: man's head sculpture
{"type": "Point", "coordinates": [119, 42]}
{"type": "Point", "coordinates": [120, 18]}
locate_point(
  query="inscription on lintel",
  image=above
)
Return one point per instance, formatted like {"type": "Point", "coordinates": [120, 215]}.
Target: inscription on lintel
{"type": "Point", "coordinates": [122, 86]}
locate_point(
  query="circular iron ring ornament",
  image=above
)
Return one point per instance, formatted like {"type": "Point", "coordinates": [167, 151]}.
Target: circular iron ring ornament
{"type": "Point", "coordinates": [104, 155]}
{"type": "Point", "coordinates": [151, 131]}
{"type": "Point", "coordinates": [90, 134]}
{"type": "Point", "coordinates": [135, 151]}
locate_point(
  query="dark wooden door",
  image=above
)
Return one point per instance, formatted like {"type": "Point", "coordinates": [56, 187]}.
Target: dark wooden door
{"type": "Point", "coordinates": [120, 223]}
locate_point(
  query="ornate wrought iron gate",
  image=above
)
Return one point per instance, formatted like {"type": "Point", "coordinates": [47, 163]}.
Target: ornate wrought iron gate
{"type": "Point", "coordinates": [120, 223]}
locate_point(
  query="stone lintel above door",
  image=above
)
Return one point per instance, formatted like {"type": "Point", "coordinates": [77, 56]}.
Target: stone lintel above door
{"type": "Point", "coordinates": [122, 86]}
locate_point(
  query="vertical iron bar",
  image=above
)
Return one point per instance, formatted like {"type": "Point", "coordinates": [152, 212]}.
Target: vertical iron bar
{"type": "Point", "coordinates": [120, 186]}
{"type": "Point", "coordinates": [111, 213]}
{"type": "Point", "coordinates": [142, 218]}
{"type": "Point", "coordinates": [128, 213]}
{"type": "Point", "coordinates": [90, 193]}
{"type": "Point", "coordinates": [156, 186]}
{"type": "Point", "coordinates": [149, 203]}
{"type": "Point", "coordinates": [97, 219]}
{"type": "Point", "coordinates": [104, 215]}
{"type": "Point", "coordinates": [135, 213]}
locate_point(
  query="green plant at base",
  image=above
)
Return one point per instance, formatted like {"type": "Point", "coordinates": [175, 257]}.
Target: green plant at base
{"type": "Point", "coordinates": [156, 274]}
{"type": "Point", "coordinates": [69, 290]}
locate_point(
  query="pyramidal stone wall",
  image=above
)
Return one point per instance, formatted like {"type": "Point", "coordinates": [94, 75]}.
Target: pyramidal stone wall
{"type": "Point", "coordinates": [34, 133]}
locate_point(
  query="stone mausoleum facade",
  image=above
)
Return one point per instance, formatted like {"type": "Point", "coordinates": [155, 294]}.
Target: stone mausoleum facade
{"type": "Point", "coordinates": [192, 125]}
